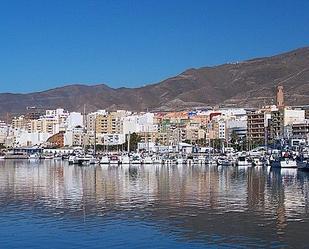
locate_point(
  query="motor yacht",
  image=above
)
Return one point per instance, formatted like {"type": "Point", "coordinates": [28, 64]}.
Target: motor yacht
{"type": "Point", "coordinates": [104, 160]}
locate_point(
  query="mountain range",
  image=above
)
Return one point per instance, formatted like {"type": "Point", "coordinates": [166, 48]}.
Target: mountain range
{"type": "Point", "coordinates": [250, 83]}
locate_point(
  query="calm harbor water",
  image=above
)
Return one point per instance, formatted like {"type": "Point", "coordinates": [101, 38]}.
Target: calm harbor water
{"type": "Point", "coordinates": [53, 205]}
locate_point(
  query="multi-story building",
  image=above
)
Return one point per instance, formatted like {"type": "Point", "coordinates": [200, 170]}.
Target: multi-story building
{"type": "Point", "coordinates": [91, 119]}
{"type": "Point", "coordinates": [20, 123]}
{"type": "Point", "coordinates": [74, 137]}
{"type": "Point", "coordinates": [109, 124]}
{"type": "Point", "coordinates": [276, 125]}
{"type": "Point", "coordinates": [292, 116]}
{"type": "Point", "coordinates": [4, 130]}
{"type": "Point", "coordinates": [144, 122]}
{"type": "Point", "coordinates": [256, 127]}
{"type": "Point", "coordinates": [301, 130]}
{"type": "Point", "coordinates": [307, 113]}
{"type": "Point", "coordinates": [219, 128]}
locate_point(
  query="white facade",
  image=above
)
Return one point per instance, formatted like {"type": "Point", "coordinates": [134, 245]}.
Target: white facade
{"type": "Point", "coordinates": [295, 116]}
{"type": "Point", "coordinates": [74, 119]}
{"type": "Point", "coordinates": [222, 129]}
{"type": "Point", "coordinates": [139, 123]}
{"type": "Point", "coordinates": [23, 139]}
{"type": "Point", "coordinates": [3, 132]}
{"type": "Point", "coordinates": [151, 147]}
{"type": "Point", "coordinates": [113, 139]}
{"type": "Point", "coordinates": [73, 137]}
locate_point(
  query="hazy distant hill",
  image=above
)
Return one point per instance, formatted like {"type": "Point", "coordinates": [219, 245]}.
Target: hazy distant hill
{"type": "Point", "coordinates": [249, 83]}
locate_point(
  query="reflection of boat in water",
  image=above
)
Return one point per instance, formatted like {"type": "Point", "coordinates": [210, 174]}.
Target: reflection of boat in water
{"type": "Point", "coordinates": [259, 161]}
{"type": "Point", "coordinates": [243, 161]}
{"type": "Point", "coordinates": [288, 172]}
{"type": "Point", "coordinates": [285, 173]}
{"type": "Point", "coordinates": [302, 161]}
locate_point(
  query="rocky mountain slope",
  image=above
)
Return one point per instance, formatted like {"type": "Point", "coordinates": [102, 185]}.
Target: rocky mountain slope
{"type": "Point", "coordinates": [249, 83]}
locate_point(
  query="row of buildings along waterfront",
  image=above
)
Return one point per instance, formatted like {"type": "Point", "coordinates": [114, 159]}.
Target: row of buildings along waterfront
{"type": "Point", "coordinates": [245, 128]}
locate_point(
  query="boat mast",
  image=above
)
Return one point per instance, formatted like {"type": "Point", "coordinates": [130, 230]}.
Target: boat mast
{"type": "Point", "coordinates": [128, 145]}
{"type": "Point", "coordinates": [84, 130]}
{"type": "Point", "coordinates": [95, 137]}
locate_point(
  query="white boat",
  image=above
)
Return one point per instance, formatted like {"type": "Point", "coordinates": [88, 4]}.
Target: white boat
{"type": "Point", "coordinates": [34, 157]}
{"type": "Point", "coordinates": [125, 159]}
{"type": "Point", "coordinates": [16, 155]}
{"type": "Point", "coordinates": [57, 157]}
{"type": "Point", "coordinates": [147, 160]}
{"type": "Point", "coordinates": [258, 161]}
{"type": "Point", "coordinates": [72, 159]}
{"type": "Point", "coordinates": [86, 159]}
{"type": "Point", "coordinates": [104, 160]}
{"type": "Point", "coordinates": [180, 161]}
{"type": "Point", "coordinates": [114, 160]}
{"type": "Point", "coordinates": [170, 160]}
{"type": "Point", "coordinates": [157, 160]}
{"type": "Point", "coordinates": [136, 159]}
{"type": "Point", "coordinates": [201, 160]}
{"type": "Point", "coordinates": [224, 161]}
{"type": "Point", "coordinates": [47, 156]}
{"type": "Point", "coordinates": [282, 162]}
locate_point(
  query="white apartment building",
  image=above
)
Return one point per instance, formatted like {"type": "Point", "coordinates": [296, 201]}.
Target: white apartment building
{"type": "Point", "coordinates": [293, 116]}
{"type": "Point", "coordinates": [139, 123]}
{"type": "Point", "coordinates": [74, 137]}
{"type": "Point", "coordinates": [74, 119]}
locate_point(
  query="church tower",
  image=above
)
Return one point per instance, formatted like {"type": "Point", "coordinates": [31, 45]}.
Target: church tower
{"type": "Point", "coordinates": [280, 97]}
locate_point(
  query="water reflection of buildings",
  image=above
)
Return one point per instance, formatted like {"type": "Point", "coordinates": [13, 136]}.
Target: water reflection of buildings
{"type": "Point", "coordinates": [211, 186]}
{"type": "Point", "coordinates": [197, 195]}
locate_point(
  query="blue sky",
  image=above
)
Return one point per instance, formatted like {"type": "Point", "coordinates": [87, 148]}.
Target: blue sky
{"type": "Point", "coordinates": [45, 44]}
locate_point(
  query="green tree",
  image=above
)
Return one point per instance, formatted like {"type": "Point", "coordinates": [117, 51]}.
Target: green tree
{"type": "Point", "coordinates": [201, 142]}
{"type": "Point", "coordinates": [134, 140]}
{"type": "Point", "coordinates": [235, 141]}
{"type": "Point", "coordinates": [216, 143]}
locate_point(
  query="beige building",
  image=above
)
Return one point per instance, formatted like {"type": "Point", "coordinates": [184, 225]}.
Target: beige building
{"type": "Point", "coordinates": [45, 125]}
{"type": "Point", "coordinates": [20, 122]}
{"type": "Point", "coordinates": [109, 124]}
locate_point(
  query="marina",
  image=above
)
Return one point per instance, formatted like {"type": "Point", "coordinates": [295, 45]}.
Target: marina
{"type": "Point", "coordinates": [258, 157]}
